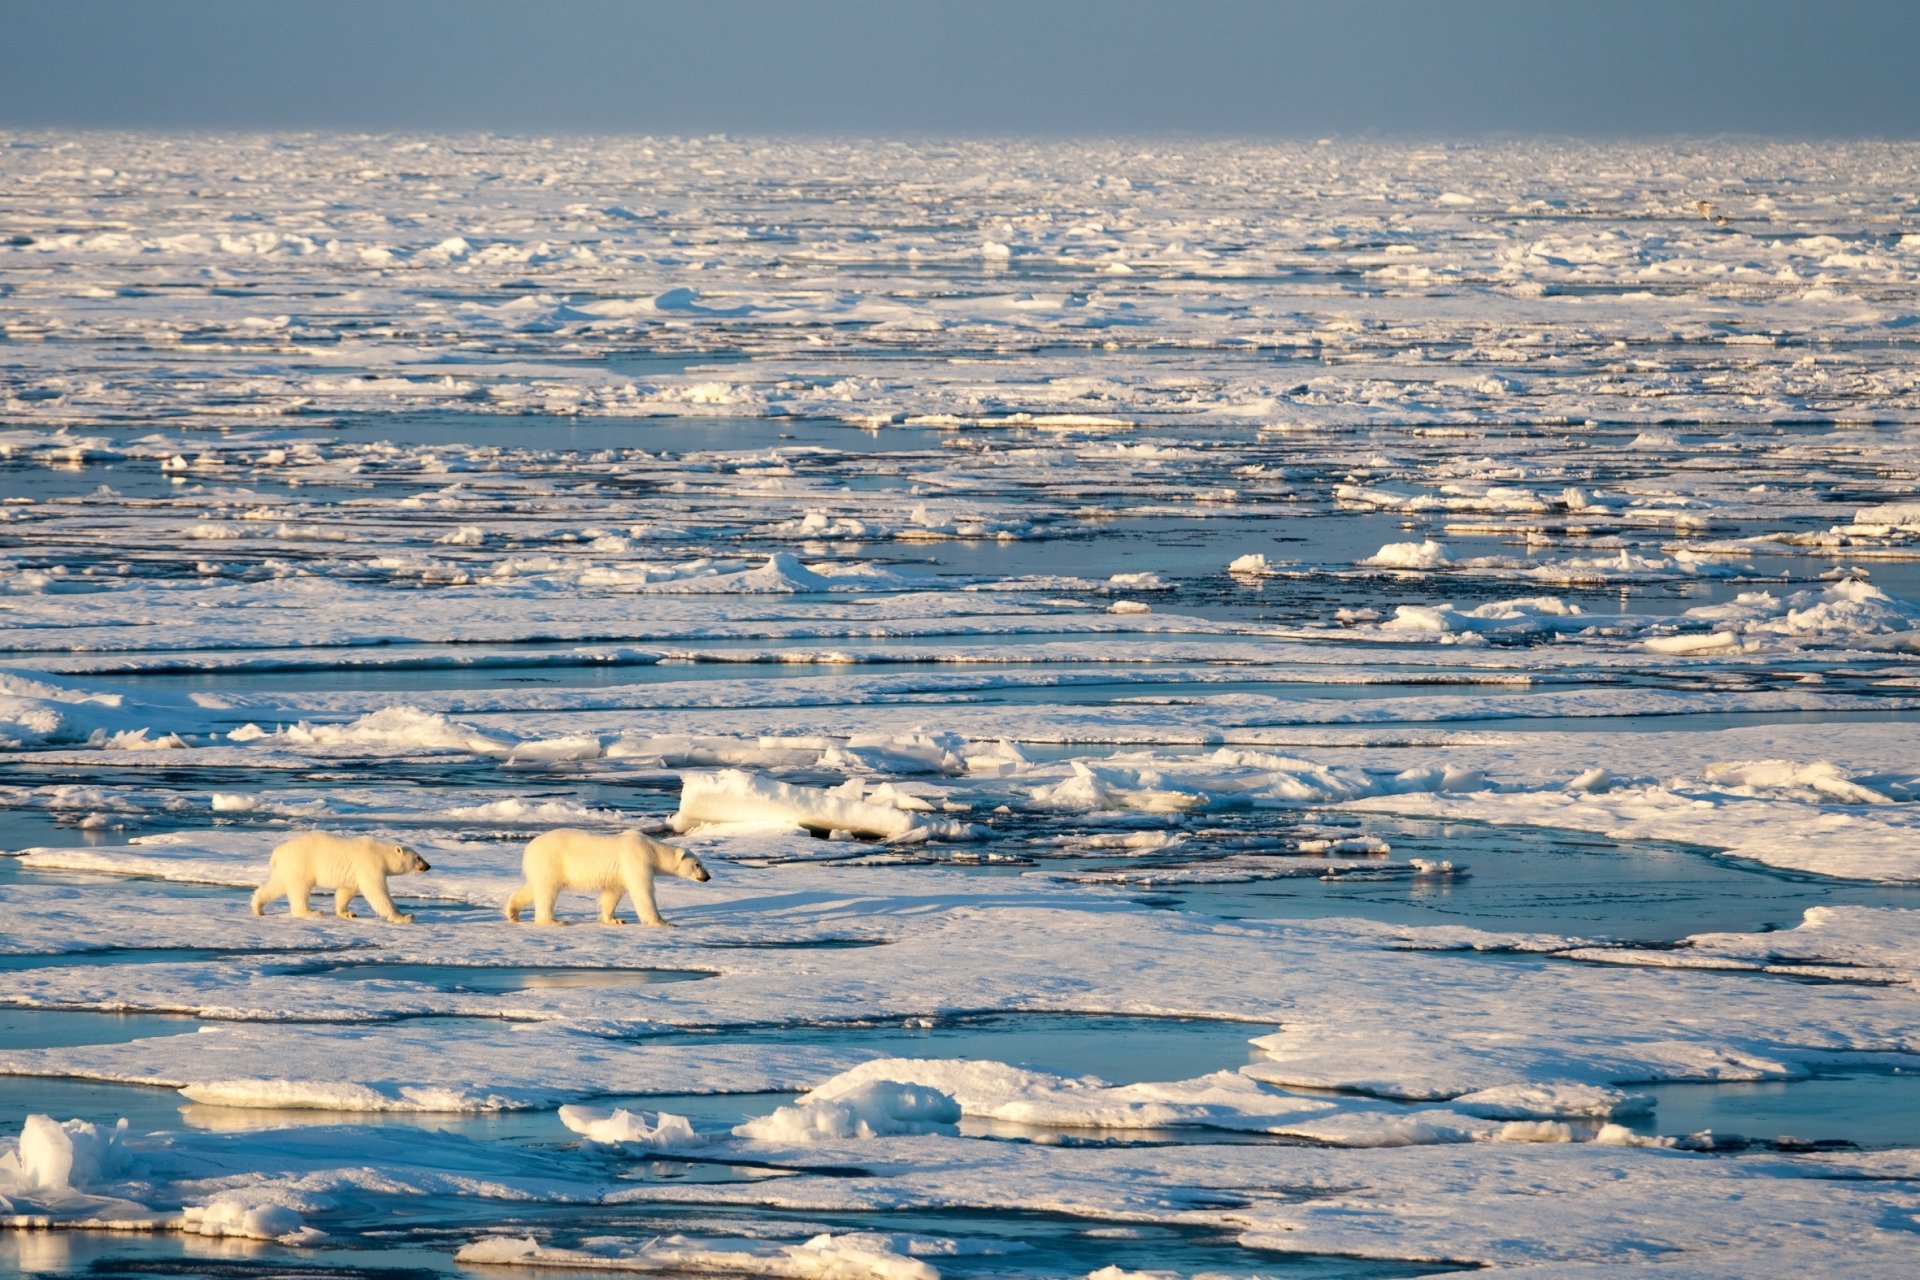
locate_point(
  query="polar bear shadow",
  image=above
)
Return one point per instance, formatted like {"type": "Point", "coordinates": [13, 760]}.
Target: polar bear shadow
{"type": "Point", "coordinates": [349, 865]}
{"type": "Point", "coordinates": [613, 866]}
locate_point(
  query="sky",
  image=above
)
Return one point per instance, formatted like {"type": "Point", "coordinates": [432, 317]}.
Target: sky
{"type": "Point", "coordinates": [1254, 68]}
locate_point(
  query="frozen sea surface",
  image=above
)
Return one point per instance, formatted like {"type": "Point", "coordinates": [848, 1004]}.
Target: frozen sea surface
{"type": "Point", "coordinates": [1336, 710]}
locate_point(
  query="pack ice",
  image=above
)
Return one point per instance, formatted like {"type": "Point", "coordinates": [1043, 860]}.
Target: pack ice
{"type": "Point", "coordinates": [1248, 706]}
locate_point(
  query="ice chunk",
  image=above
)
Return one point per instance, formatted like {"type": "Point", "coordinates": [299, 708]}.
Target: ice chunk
{"type": "Point", "coordinates": [1819, 781]}
{"type": "Point", "coordinates": [620, 1127]}
{"type": "Point", "coordinates": [1535, 1131]}
{"type": "Point", "coordinates": [1691, 643]}
{"type": "Point", "coordinates": [997, 1091]}
{"type": "Point", "coordinates": [1849, 609]}
{"type": "Point", "coordinates": [1551, 1100]}
{"type": "Point", "coordinates": [1815, 782]}
{"type": "Point", "coordinates": [549, 812]}
{"type": "Point", "coordinates": [338, 1095]}
{"type": "Point", "coordinates": [35, 711]}
{"type": "Point", "coordinates": [1409, 555]}
{"type": "Point", "coordinates": [854, 1256]}
{"type": "Point", "coordinates": [1890, 515]}
{"type": "Point", "coordinates": [1618, 1135]}
{"type": "Point", "coordinates": [399, 728]}
{"type": "Point", "coordinates": [579, 746]}
{"type": "Point", "coordinates": [1527, 615]}
{"type": "Point", "coordinates": [53, 1174]}
{"type": "Point", "coordinates": [874, 1109]}
{"type": "Point", "coordinates": [1090, 789]}
{"type": "Point", "coordinates": [733, 797]}
{"type": "Point", "coordinates": [997, 759]}
{"type": "Point", "coordinates": [254, 1214]}
{"type": "Point", "coordinates": [921, 751]}
{"type": "Point", "coordinates": [71, 1156]}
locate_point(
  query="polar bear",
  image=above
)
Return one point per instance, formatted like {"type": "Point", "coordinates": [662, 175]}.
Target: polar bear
{"type": "Point", "coordinates": [613, 865]}
{"type": "Point", "coordinates": [348, 865]}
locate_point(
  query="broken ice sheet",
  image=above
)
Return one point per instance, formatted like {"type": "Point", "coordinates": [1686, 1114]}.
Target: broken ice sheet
{"type": "Point", "coordinates": [1509, 553]}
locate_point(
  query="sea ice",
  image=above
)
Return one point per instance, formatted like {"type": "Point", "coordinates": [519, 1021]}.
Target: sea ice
{"type": "Point", "coordinates": [1113, 539]}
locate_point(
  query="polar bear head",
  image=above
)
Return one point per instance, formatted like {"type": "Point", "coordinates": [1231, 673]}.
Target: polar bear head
{"type": "Point", "coordinates": [400, 860]}
{"type": "Point", "coordinates": [671, 859]}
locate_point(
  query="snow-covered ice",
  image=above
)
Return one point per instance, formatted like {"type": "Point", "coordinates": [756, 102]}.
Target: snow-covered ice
{"type": "Point", "coordinates": [1241, 700]}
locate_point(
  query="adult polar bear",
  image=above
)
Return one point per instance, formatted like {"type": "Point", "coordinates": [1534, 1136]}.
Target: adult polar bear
{"type": "Point", "coordinates": [611, 865]}
{"type": "Point", "coordinates": [348, 865]}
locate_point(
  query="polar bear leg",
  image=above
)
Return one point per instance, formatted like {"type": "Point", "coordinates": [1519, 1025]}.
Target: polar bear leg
{"type": "Point", "coordinates": [267, 893]}
{"type": "Point", "coordinates": [375, 892]}
{"type": "Point", "coordinates": [610, 905]}
{"type": "Point", "coordinates": [640, 888]}
{"type": "Point", "coordinates": [522, 899]}
{"type": "Point", "coordinates": [545, 894]}
{"type": "Point", "coordinates": [342, 897]}
{"type": "Point", "coordinates": [298, 892]}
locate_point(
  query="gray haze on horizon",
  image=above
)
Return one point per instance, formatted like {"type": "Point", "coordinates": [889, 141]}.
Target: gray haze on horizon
{"type": "Point", "coordinates": [1613, 68]}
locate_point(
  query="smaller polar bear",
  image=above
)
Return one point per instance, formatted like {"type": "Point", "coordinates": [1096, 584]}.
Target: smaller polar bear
{"type": "Point", "coordinates": [612, 865]}
{"type": "Point", "coordinates": [348, 865]}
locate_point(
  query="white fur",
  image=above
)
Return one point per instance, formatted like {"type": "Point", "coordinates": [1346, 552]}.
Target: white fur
{"type": "Point", "coordinates": [612, 866]}
{"type": "Point", "coordinates": [348, 865]}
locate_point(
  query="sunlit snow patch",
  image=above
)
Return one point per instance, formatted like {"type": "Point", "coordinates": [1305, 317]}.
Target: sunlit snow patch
{"type": "Point", "coordinates": [874, 1108]}
{"type": "Point", "coordinates": [620, 1127]}
{"type": "Point", "coordinates": [733, 797]}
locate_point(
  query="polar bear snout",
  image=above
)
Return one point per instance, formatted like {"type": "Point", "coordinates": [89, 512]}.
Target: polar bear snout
{"type": "Point", "coordinates": [690, 869]}
{"type": "Point", "coordinates": [421, 864]}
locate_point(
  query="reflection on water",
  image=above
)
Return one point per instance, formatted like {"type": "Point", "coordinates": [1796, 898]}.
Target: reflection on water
{"type": "Point", "coordinates": [102, 1255]}
{"type": "Point", "coordinates": [503, 979]}
{"type": "Point", "coordinates": [65, 1028]}
{"type": "Point", "coordinates": [147, 1108]}
{"type": "Point", "coordinates": [1535, 881]}
{"type": "Point", "coordinates": [40, 828]}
